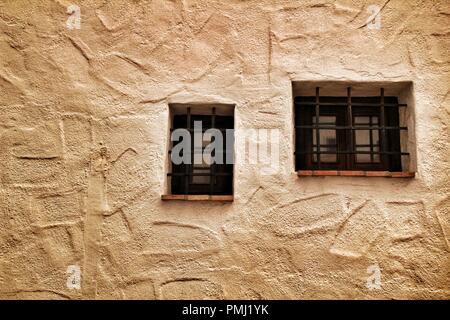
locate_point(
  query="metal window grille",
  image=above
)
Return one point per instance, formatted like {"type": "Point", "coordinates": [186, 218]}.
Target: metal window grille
{"type": "Point", "coordinates": [348, 133]}
{"type": "Point", "coordinates": [212, 179]}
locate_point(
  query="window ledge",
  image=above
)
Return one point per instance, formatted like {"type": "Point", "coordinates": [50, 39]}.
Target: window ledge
{"type": "Point", "coordinates": [342, 173]}
{"type": "Point", "coordinates": [192, 197]}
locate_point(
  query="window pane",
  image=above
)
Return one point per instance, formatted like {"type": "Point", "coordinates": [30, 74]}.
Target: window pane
{"type": "Point", "coordinates": [325, 120]}
{"type": "Point", "coordinates": [202, 167]}
{"type": "Point", "coordinates": [327, 144]}
{"type": "Point", "coordinates": [367, 140]}
{"type": "Point", "coordinates": [362, 137]}
{"type": "Point", "coordinates": [200, 179]}
{"type": "Point", "coordinates": [362, 120]}
{"type": "Point", "coordinates": [376, 157]}
{"type": "Point", "coordinates": [327, 139]}
{"type": "Point", "coordinates": [363, 157]}
{"type": "Point", "coordinates": [326, 157]}
{"type": "Point", "coordinates": [375, 137]}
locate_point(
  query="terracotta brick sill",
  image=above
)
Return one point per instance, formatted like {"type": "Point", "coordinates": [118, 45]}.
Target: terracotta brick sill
{"type": "Point", "coordinates": [328, 173]}
{"type": "Point", "coordinates": [200, 197]}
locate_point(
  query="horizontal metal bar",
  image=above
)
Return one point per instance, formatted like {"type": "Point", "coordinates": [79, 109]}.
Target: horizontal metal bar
{"type": "Point", "coordinates": [350, 128]}
{"type": "Point", "coordinates": [217, 174]}
{"type": "Point", "coordinates": [203, 129]}
{"type": "Point", "coordinates": [357, 146]}
{"type": "Point", "coordinates": [217, 152]}
{"type": "Point", "coordinates": [325, 145]}
{"type": "Point", "coordinates": [353, 152]}
{"type": "Point", "coordinates": [356, 173]}
{"type": "Point", "coordinates": [367, 145]}
{"type": "Point", "coordinates": [354, 104]}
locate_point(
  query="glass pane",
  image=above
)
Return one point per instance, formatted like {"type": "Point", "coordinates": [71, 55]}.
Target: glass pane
{"type": "Point", "coordinates": [201, 157]}
{"type": "Point", "coordinates": [325, 120]}
{"type": "Point", "coordinates": [326, 157]}
{"type": "Point", "coordinates": [363, 157]}
{"type": "Point", "coordinates": [327, 144]}
{"type": "Point", "coordinates": [327, 139]}
{"type": "Point", "coordinates": [376, 157]}
{"type": "Point", "coordinates": [200, 179]}
{"type": "Point", "coordinates": [375, 137]}
{"type": "Point", "coordinates": [366, 158]}
{"type": "Point", "coordinates": [367, 140]}
{"type": "Point", "coordinates": [362, 137]}
{"type": "Point", "coordinates": [362, 120]}
{"type": "Point", "coordinates": [202, 167]}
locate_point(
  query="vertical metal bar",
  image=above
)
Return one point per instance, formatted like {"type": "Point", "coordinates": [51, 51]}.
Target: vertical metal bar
{"type": "Point", "coordinates": [352, 157]}
{"type": "Point", "coordinates": [317, 128]}
{"type": "Point", "coordinates": [212, 168]}
{"type": "Point", "coordinates": [383, 127]}
{"type": "Point", "coordinates": [371, 139]}
{"type": "Point", "coordinates": [187, 175]}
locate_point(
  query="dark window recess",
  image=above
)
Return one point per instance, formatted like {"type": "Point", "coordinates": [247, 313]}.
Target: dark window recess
{"type": "Point", "coordinates": [348, 133]}
{"type": "Point", "coordinates": [213, 179]}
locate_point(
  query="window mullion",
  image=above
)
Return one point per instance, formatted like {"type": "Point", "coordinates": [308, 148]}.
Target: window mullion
{"type": "Point", "coordinates": [371, 140]}
{"type": "Point", "coordinates": [212, 168]}
{"type": "Point", "coordinates": [317, 128]}
{"type": "Point", "coordinates": [188, 168]}
{"type": "Point", "coordinates": [383, 130]}
{"type": "Point", "coordinates": [350, 157]}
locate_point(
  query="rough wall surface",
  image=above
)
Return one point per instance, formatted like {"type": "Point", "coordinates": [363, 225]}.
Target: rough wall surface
{"type": "Point", "coordinates": [83, 155]}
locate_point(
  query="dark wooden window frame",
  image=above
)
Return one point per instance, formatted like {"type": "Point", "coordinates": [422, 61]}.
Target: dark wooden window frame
{"type": "Point", "coordinates": [220, 175]}
{"type": "Point", "coordinates": [345, 109]}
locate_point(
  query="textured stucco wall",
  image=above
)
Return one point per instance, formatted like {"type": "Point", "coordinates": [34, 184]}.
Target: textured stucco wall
{"type": "Point", "coordinates": [83, 151]}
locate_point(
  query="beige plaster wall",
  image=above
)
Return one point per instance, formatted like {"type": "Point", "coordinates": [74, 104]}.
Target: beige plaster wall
{"type": "Point", "coordinates": [84, 124]}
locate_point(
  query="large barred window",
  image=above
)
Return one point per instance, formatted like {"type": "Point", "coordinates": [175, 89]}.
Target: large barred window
{"type": "Point", "coordinates": [348, 133]}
